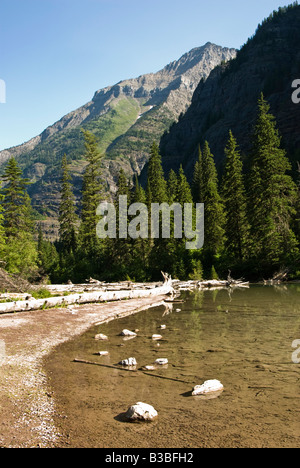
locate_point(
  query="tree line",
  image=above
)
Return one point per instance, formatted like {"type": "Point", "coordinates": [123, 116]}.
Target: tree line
{"type": "Point", "coordinates": [251, 227]}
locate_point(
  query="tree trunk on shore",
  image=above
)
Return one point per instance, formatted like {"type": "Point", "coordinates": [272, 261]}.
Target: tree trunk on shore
{"type": "Point", "coordinates": [86, 298]}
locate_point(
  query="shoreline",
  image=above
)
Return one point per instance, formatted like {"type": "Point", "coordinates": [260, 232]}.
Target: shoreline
{"type": "Point", "coordinates": [26, 407]}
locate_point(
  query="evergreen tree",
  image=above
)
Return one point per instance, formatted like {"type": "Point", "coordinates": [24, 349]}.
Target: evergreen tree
{"type": "Point", "coordinates": [67, 216]}
{"type": "Point", "coordinates": [47, 255]}
{"type": "Point", "coordinates": [120, 248]}
{"type": "Point", "coordinates": [16, 203]}
{"type": "Point", "coordinates": [123, 188]}
{"type": "Point", "coordinates": [156, 183]}
{"type": "Point", "coordinates": [91, 194]}
{"type": "Point", "coordinates": [297, 217]}
{"type": "Point", "coordinates": [20, 250]}
{"type": "Point", "coordinates": [234, 196]}
{"type": "Point", "coordinates": [214, 218]}
{"type": "Point", "coordinates": [197, 183]}
{"type": "Point", "coordinates": [172, 186]}
{"type": "Point", "coordinates": [157, 192]}
{"type": "Point", "coordinates": [183, 189]}
{"type": "Point", "coordinates": [140, 247]}
{"type": "Point", "coordinates": [272, 192]}
{"type": "Point", "coordinates": [183, 263]}
{"type": "Point", "coordinates": [2, 231]}
{"type": "Point", "coordinates": [139, 194]}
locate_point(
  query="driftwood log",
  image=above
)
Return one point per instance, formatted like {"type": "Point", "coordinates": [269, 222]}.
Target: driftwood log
{"type": "Point", "coordinates": [86, 298]}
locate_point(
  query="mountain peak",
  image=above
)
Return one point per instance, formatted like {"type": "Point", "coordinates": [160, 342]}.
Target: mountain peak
{"type": "Point", "coordinates": [125, 117]}
{"type": "Point", "coordinates": [227, 100]}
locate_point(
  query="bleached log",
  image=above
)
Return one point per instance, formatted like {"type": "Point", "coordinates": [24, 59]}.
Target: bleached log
{"type": "Point", "coordinates": [86, 298]}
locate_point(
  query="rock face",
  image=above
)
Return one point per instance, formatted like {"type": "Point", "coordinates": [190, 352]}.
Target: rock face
{"type": "Point", "coordinates": [141, 412]}
{"type": "Point", "coordinates": [126, 118]}
{"type": "Point", "coordinates": [268, 63]}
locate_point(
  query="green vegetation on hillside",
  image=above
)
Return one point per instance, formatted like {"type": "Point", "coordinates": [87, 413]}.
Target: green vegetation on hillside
{"type": "Point", "coordinates": [251, 225]}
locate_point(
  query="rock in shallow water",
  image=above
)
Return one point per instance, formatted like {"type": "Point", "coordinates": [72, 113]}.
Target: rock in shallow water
{"type": "Point", "coordinates": [101, 337]}
{"type": "Point", "coordinates": [161, 361]}
{"type": "Point", "coordinates": [209, 386]}
{"type": "Point", "coordinates": [141, 412]}
{"type": "Point", "coordinates": [156, 337]}
{"type": "Point", "coordinates": [128, 333]}
{"type": "Point", "coordinates": [128, 362]}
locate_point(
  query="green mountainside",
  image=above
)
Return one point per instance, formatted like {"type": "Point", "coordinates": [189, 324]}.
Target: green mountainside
{"type": "Point", "coordinates": [126, 118]}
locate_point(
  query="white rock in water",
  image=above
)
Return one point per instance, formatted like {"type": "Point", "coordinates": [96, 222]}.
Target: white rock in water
{"type": "Point", "coordinates": [161, 362]}
{"type": "Point", "coordinates": [128, 362]}
{"type": "Point", "coordinates": [156, 337]}
{"type": "Point", "coordinates": [101, 337]}
{"type": "Point", "coordinates": [208, 387]}
{"type": "Point", "coordinates": [163, 327]}
{"type": "Point", "coordinates": [178, 310]}
{"type": "Point", "coordinates": [149, 368]}
{"type": "Point", "coordinates": [141, 412]}
{"type": "Point", "coordinates": [128, 333]}
{"type": "Point", "coordinates": [103, 353]}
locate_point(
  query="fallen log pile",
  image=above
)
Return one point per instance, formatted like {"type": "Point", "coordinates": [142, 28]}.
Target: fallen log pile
{"type": "Point", "coordinates": [209, 284]}
{"type": "Point", "coordinates": [96, 291]}
{"type": "Point", "coordinates": [106, 294]}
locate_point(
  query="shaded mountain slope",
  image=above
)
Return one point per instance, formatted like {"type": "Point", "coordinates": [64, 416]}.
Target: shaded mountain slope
{"type": "Point", "coordinates": [269, 62]}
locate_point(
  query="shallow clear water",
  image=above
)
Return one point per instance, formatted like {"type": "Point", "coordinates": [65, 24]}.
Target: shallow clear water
{"type": "Point", "coordinates": [243, 338]}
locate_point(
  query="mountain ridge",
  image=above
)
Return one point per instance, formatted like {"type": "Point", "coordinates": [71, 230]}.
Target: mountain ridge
{"type": "Point", "coordinates": [125, 117]}
{"type": "Point", "coordinates": [227, 100]}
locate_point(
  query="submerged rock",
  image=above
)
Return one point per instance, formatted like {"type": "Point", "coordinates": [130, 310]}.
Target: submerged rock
{"type": "Point", "coordinates": [161, 361]}
{"type": "Point", "coordinates": [209, 386]}
{"type": "Point", "coordinates": [128, 362]}
{"type": "Point", "coordinates": [128, 333]}
{"type": "Point", "coordinates": [100, 337]}
{"type": "Point", "coordinates": [141, 412]}
{"type": "Point", "coordinates": [156, 337]}
{"type": "Point", "coordinates": [148, 368]}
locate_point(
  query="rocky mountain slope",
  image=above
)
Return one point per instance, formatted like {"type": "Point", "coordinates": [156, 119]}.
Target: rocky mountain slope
{"type": "Point", "coordinates": [269, 62]}
{"type": "Point", "coordinates": [126, 118]}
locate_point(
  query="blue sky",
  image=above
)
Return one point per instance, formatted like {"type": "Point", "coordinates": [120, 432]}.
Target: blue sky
{"type": "Point", "coordinates": [56, 53]}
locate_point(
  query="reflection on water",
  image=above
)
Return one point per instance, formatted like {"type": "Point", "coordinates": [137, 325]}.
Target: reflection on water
{"type": "Point", "coordinates": [243, 338]}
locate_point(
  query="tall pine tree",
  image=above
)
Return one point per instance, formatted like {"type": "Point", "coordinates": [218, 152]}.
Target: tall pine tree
{"type": "Point", "coordinates": [157, 192]}
{"type": "Point", "coordinates": [172, 186]}
{"type": "Point", "coordinates": [234, 196]}
{"type": "Point", "coordinates": [156, 184]}
{"type": "Point", "coordinates": [15, 204]}
{"type": "Point", "coordinates": [91, 194]}
{"type": "Point", "coordinates": [120, 250]}
{"type": "Point", "coordinates": [214, 217]}
{"type": "Point", "coordinates": [67, 216]}
{"type": "Point", "coordinates": [272, 192]}
{"type": "Point", "coordinates": [197, 183]}
{"type": "Point", "coordinates": [20, 250]}
{"type": "Point", "coordinates": [141, 245]}
{"type": "Point", "coordinates": [2, 232]}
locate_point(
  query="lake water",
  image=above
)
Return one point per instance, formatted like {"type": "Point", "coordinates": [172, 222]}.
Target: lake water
{"type": "Point", "coordinates": [242, 338]}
